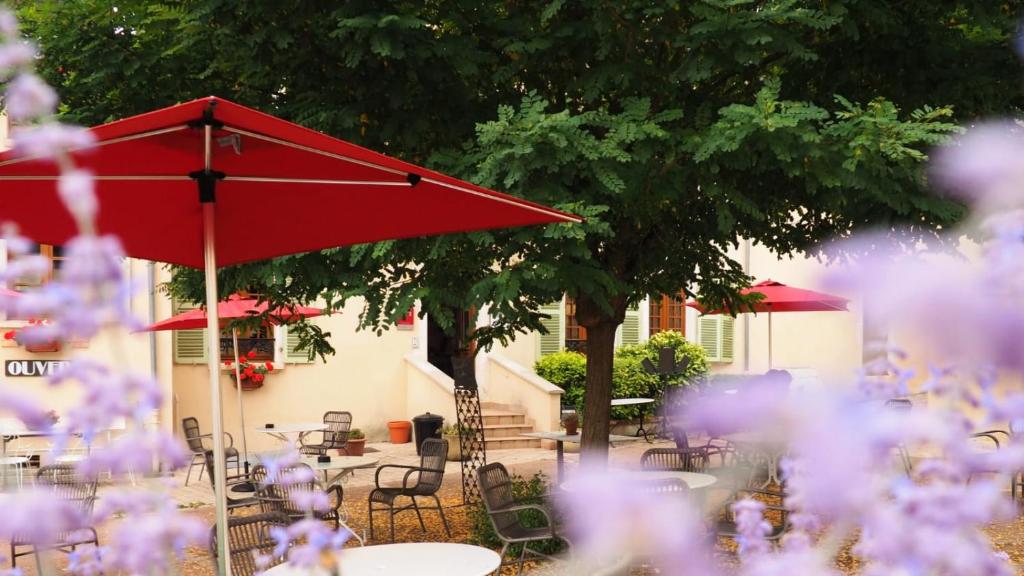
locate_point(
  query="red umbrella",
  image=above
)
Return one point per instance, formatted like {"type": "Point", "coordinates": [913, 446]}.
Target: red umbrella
{"type": "Point", "coordinates": [5, 293]}
{"type": "Point", "coordinates": [235, 308]}
{"type": "Point", "coordinates": [210, 183]}
{"type": "Point", "coordinates": [781, 298]}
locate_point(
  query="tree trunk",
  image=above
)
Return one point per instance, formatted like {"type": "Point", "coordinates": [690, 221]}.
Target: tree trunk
{"type": "Point", "coordinates": [597, 397]}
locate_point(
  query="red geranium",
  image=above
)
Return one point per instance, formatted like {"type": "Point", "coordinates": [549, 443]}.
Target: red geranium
{"type": "Point", "coordinates": [270, 366]}
{"type": "Point", "coordinates": [250, 371]}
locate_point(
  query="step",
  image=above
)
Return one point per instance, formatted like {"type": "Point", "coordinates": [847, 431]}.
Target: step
{"type": "Point", "coordinates": [503, 418]}
{"type": "Point", "coordinates": [506, 430]}
{"type": "Point", "coordinates": [511, 442]}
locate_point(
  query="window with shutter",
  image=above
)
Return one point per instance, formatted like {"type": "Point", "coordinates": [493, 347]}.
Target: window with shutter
{"type": "Point", "coordinates": [293, 354]}
{"type": "Point", "coordinates": [189, 345]}
{"type": "Point", "coordinates": [715, 335]}
{"type": "Point", "coordinates": [629, 332]}
{"type": "Point", "coordinates": [552, 341]}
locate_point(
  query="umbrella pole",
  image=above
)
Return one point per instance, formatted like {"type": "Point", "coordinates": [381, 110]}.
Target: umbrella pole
{"type": "Point", "coordinates": [769, 339]}
{"type": "Point", "coordinates": [247, 486]}
{"type": "Point", "coordinates": [219, 471]}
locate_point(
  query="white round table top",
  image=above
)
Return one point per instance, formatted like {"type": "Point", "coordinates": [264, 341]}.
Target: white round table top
{"type": "Point", "coordinates": [342, 462]}
{"type": "Point", "coordinates": [631, 401]}
{"type": "Point", "coordinates": [759, 438]}
{"type": "Point", "coordinates": [419, 558]}
{"type": "Point", "coordinates": [695, 480]}
{"type": "Point", "coordinates": [292, 428]}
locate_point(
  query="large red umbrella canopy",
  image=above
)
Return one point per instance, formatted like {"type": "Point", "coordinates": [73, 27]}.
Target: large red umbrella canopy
{"type": "Point", "coordinates": [779, 297]}
{"type": "Point", "coordinates": [234, 308]}
{"type": "Point", "coordinates": [5, 293]}
{"type": "Point", "coordinates": [211, 183]}
{"type": "Point", "coordinates": [280, 189]}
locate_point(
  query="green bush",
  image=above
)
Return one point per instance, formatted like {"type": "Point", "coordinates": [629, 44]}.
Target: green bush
{"type": "Point", "coordinates": [568, 370]}
{"type": "Point", "coordinates": [525, 491]}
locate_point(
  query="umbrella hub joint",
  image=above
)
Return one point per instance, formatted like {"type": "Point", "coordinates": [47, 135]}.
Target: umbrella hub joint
{"type": "Point", "coordinates": [207, 119]}
{"type": "Point", "coordinates": [207, 180]}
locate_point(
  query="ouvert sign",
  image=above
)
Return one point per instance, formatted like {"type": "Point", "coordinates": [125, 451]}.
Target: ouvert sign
{"type": "Point", "coordinates": [38, 368]}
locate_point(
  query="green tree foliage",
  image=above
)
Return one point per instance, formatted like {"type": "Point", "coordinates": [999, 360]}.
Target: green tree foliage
{"type": "Point", "coordinates": [676, 127]}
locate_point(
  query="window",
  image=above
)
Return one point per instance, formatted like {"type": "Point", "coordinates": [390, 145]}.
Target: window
{"type": "Point", "coordinates": [715, 335]}
{"type": "Point", "coordinates": [668, 313]}
{"type": "Point", "coordinates": [55, 254]}
{"type": "Point", "coordinates": [575, 335]}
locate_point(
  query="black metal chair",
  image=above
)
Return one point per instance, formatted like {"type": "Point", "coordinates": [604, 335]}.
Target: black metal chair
{"type": "Point", "coordinates": [196, 443]}
{"type": "Point", "coordinates": [66, 484]}
{"type": "Point", "coordinates": [247, 537]}
{"type": "Point", "coordinates": [335, 436]}
{"type": "Point", "coordinates": [236, 498]}
{"type": "Point", "coordinates": [275, 497]}
{"type": "Point", "coordinates": [418, 481]}
{"type": "Point", "coordinates": [683, 460]}
{"type": "Point", "coordinates": [505, 514]}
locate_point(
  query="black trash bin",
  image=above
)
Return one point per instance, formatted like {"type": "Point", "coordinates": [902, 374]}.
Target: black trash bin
{"type": "Point", "coordinates": [426, 426]}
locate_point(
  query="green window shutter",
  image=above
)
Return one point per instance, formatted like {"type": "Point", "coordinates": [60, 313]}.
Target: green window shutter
{"type": "Point", "coordinates": [554, 340]}
{"type": "Point", "coordinates": [630, 329]}
{"type": "Point", "coordinates": [189, 345]}
{"type": "Point", "coordinates": [715, 335]}
{"type": "Point", "coordinates": [727, 323]}
{"type": "Point", "coordinates": [292, 353]}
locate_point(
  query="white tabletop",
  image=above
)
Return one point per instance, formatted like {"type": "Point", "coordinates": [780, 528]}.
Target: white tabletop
{"type": "Point", "coordinates": [631, 401]}
{"type": "Point", "coordinates": [342, 462]}
{"type": "Point", "coordinates": [575, 438]}
{"type": "Point", "coordinates": [291, 428]}
{"type": "Point", "coordinates": [419, 558]}
{"type": "Point", "coordinates": [694, 480]}
{"type": "Point", "coordinates": [758, 438]}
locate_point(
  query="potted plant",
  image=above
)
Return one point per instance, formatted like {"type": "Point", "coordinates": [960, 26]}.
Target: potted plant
{"type": "Point", "coordinates": [36, 347]}
{"type": "Point", "coordinates": [451, 434]}
{"type": "Point", "coordinates": [252, 374]}
{"type": "Point", "coordinates": [356, 444]}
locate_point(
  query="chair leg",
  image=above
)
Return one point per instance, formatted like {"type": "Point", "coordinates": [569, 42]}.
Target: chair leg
{"type": "Point", "coordinates": [501, 559]}
{"type": "Point", "coordinates": [391, 518]}
{"type": "Point", "coordinates": [370, 515]}
{"type": "Point", "coordinates": [444, 520]}
{"type": "Point", "coordinates": [416, 507]}
{"type": "Point", "coordinates": [522, 558]}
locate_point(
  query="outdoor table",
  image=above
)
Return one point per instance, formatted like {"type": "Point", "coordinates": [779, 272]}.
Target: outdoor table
{"type": "Point", "coordinates": [560, 438]}
{"type": "Point", "coordinates": [291, 434]}
{"type": "Point", "coordinates": [642, 403]}
{"type": "Point", "coordinates": [771, 448]}
{"type": "Point", "coordinates": [419, 558]}
{"type": "Point", "coordinates": [694, 480]}
{"type": "Point", "coordinates": [341, 465]}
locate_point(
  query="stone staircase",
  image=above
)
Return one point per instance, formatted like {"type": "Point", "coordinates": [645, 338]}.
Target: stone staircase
{"type": "Point", "coordinates": [503, 425]}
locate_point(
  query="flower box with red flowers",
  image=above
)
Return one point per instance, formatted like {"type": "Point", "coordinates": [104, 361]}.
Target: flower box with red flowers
{"type": "Point", "coordinates": [252, 373]}
{"type": "Point", "coordinates": [28, 342]}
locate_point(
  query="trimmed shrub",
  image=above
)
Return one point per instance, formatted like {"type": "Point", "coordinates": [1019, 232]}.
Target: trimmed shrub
{"type": "Point", "coordinates": [526, 491]}
{"type": "Point", "coordinates": [568, 371]}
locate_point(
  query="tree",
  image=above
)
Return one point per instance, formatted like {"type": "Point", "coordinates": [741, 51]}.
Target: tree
{"type": "Point", "coordinates": [676, 128]}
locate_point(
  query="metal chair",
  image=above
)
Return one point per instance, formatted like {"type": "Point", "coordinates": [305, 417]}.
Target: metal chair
{"type": "Point", "coordinates": [335, 436]}
{"type": "Point", "coordinates": [683, 460]}
{"type": "Point", "coordinates": [504, 511]}
{"type": "Point", "coordinates": [726, 526]}
{"type": "Point", "coordinates": [236, 498]}
{"type": "Point", "coordinates": [418, 481]}
{"type": "Point", "coordinates": [66, 484]}
{"type": "Point", "coordinates": [275, 497]}
{"type": "Point", "coordinates": [196, 444]}
{"type": "Point", "coordinates": [247, 537]}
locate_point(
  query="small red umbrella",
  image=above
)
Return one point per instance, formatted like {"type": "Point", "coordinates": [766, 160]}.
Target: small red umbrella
{"type": "Point", "coordinates": [235, 308]}
{"type": "Point", "coordinates": [779, 297]}
{"type": "Point", "coordinates": [210, 183]}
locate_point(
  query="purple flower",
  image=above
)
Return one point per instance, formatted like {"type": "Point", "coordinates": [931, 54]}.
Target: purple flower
{"type": "Point", "coordinates": [46, 140]}
{"type": "Point", "coordinates": [752, 528]}
{"type": "Point", "coordinates": [77, 191]}
{"type": "Point", "coordinates": [29, 97]}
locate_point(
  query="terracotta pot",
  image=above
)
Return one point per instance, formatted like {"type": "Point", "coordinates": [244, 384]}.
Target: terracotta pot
{"type": "Point", "coordinates": [572, 424]}
{"type": "Point", "coordinates": [354, 447]}
{"type": "Point", "coordinates": [400, 430]}
{"type": "Point", "coordinates": [249, 384]}
{"type": "Point", "coordinates": [454, 448]}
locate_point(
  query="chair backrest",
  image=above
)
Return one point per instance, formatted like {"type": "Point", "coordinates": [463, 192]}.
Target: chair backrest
{"type": "Point", "coordinates": [67, 484]}
{"type": "Point", "coordinates": [684, 460]}
{"type": "Point", "coordinates": [899, 404]}
{"type": "Point", "coordinates": [190, 426]}
{"type": "Point", "coordinates": [496, 491]}
{"type": "Point", "coordinates": [338, 426]}
{"type": "Point", "coordinates": [248, 536]}
{"type": "Point", "coordinates": [275, 497]}
{"type": "Point", "coordinates": [433, 455]}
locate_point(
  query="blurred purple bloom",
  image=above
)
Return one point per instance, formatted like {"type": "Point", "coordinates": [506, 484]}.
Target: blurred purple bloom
{"type": "Point", "coordinates": [752, 528]}
{"type": "Point", "coordinates": [29, 97]}
{"type": "Point", "coordinates": [15, 55]}
{"type": "Point", "coordinates": [985, 164]}
{"type": "Point", "coordinates": [77, 191]}
{"type": "Point", "coordinates": [46, 140]}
